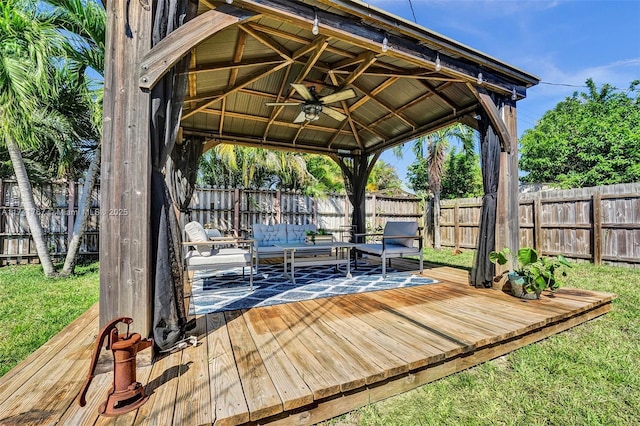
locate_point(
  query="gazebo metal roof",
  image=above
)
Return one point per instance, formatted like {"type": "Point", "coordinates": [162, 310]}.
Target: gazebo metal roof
{"type": "Point", "coordinates": [400, 92]}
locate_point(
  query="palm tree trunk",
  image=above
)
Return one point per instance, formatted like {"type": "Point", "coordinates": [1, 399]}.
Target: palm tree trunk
{"type": "Point", "coordinates": [436, 221]}
{"type": "Point", "coordinates": [84, 207]}
{"type": "Point", "coordinates": [26, 195]}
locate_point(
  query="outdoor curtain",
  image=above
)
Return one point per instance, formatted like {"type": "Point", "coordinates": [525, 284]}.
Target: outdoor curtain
{"type": "Point", "coordinates": [169, 316]}
{"type": "Point", "coordinates": [483, 271]}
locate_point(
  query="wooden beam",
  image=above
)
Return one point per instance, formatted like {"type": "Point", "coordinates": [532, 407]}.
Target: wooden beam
{"type": "Point", "coordinates": [261, 143]}
{"type": "Point", "coordinates": [392, 110]}
{"type": "Point", "coordinates": [237, 57]}
{"type": "Point", "coordinates": [430, 127]}
{"type": "Point", "coordinates": [367, 59]}
{"type": "Point", "coordinates": [260, 119]}
{"type": "Point", "coordinates": [231, 65]}
{"type": "Point", "coordinates": [296, 38]}
{"type": "Point", "coordinates": [494, 115]}
{"type": "Point", "coordinates": [247, 81]}
{"type": "Point", "coordinates": [352, 125]}
{"type": "Point", "coordinates": [176, 45]}
{"type": "Point", "coordinates": [313, 46]}
{"type": "Point", "coordinates": [267, 41]}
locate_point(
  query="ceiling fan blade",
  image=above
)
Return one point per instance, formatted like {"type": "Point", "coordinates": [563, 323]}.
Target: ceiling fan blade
{"type": "Point", "coordinates": [303, 91]}
{"type": "Point", "coordinates": [300, 118]}
{"type": "Point", "coordinates": [338, 96]}
{"type": "Point", "coordinates": [333, 113]}
{"type": "Point", "coordinates": [281, 103]}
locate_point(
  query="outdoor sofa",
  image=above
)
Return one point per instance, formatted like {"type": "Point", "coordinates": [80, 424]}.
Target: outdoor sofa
{"type": "Point", "coordinates": [267, 237]}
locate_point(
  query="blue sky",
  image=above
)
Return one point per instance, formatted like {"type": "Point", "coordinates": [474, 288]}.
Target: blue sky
{"type": "Point", "coordinates": [563, 42]}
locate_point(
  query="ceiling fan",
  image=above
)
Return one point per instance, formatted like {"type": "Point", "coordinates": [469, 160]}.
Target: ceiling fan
{"type": "Point", "coordinates": [313, 105]}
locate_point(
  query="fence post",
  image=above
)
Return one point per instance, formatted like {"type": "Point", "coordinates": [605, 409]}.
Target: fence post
{"type": "Point", "coordinates": [347, 220]}
{"type": "Point", "coordinates": [71, 203]}
{"type": "Point", "coordinates": [236, 212]}
{"type": "Point", "coordinates": [277, 206]}
{"type": "Point", "coordinates": [374, 216]}
{"type": "Point", "coordinates": [456, 225]}
{"type": "Point", "coordinates": [537, 223]}
{"type": "Point", "coordinates": [596, 211]}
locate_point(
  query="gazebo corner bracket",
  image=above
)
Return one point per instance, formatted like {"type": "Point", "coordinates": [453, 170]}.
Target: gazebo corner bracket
{"type": "Point", "coordinates": [164, 55]}
{"type": "Point", "coordinates": [489, 106]}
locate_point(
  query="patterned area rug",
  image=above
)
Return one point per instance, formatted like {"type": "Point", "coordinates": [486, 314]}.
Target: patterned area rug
{"type": "Point", "coordinates": [228, 290]}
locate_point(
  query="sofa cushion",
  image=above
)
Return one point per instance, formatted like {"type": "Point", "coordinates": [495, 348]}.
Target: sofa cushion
{"type": "Point", "coordinates": [298, 233]}
{"type": "Point", "coordinates": [398, 229]}
{"type": "Point", "coordinates": [197, 234]}
{"type": "Point", "coordinates": [226, 257]}
{"type": "Point", "coordinates": [269, 235]}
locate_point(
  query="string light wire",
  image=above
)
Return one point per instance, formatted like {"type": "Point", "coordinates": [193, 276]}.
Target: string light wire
{"type": "Point", "coordinates": [413, 12]}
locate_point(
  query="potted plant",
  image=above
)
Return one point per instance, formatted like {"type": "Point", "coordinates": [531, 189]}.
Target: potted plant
{"type": "Point", "coordinates": [321, 235]}
{"type": "Point", "coordinates": [533, 274]}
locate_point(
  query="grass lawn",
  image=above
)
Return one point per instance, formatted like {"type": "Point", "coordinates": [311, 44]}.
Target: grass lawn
{"type": "Point", "coordinates": [589, 375]}
{"type": "Point", "coordinates": [33, 309]}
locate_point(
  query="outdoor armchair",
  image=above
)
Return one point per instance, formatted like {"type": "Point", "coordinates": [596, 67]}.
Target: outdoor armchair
{"type": "Point", "coordinates": [216, 253]}
{"type": "Point", "coordinates": [398, 239]}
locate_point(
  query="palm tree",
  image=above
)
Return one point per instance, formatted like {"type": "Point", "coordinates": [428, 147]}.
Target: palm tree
{"type": "Point", "coordinates": [27, 46]}
{"type": "Point", "coordinates": [84, 23]}
{"type": "Point", "coordinates": [230, 165]}
{"type": "Point", "coordinates": [435, 145]}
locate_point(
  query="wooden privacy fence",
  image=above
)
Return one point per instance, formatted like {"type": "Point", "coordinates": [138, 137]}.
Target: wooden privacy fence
{"type": "Point", "coordinates": [230, 210]}
{"type": "Point", "coordinates": [599, 224]}
{"type": "Point", "coordinates": [235, 210]}
{"type": "Point", "coordinates": [57, 204]}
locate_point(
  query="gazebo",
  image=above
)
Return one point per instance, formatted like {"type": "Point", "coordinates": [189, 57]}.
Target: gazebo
{"type": "Point", "coordinates": [183, 76]}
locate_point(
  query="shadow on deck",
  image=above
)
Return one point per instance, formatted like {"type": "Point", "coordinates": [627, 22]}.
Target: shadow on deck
{"type": "Point", "coordinates": [302, 362]}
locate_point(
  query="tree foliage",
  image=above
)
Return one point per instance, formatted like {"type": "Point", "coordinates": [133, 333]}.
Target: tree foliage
{"type": "Point", "coordinates": [383, 178]}
{"type": "Point", "coordinates": [462, 177]}
{"type": "Point", "coordinates": [588, 139]}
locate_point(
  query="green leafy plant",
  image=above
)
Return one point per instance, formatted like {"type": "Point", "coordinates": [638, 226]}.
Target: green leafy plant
{"type": "Point", "coordinates": [534, 272]}
{"type": "Point", "coordinates": [312, 234]}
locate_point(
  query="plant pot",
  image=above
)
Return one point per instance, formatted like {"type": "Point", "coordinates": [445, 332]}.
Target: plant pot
{"type": "Point", "coordinates": [319, 239]}
{"type": "Point", "coordinates": [517, 288]}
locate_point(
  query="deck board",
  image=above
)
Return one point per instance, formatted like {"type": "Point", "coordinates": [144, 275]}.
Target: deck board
{"type": "Point", "coordinates": [302, 362]}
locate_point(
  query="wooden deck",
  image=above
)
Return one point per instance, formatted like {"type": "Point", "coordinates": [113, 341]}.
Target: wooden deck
{"type": "Point", "coordinates": [302, 362]}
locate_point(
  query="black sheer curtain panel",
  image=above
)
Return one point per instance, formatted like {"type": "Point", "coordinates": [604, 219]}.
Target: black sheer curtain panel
{"type": "Point", "coordinates": [483, 271]}
{"type": "Point", "coordinates": [169, 316]}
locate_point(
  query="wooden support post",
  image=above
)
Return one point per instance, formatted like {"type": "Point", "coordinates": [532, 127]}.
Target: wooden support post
{"type": "Point", "coordinates": [508, 215]}
{"type": "Point", "coordinates": [596, 211]}
{"type": "Point", "coordinates": [125, 252]}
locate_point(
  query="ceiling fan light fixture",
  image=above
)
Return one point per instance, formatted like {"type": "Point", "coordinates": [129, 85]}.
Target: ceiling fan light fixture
{"type": "Point", "coordinates": [311, 111]}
